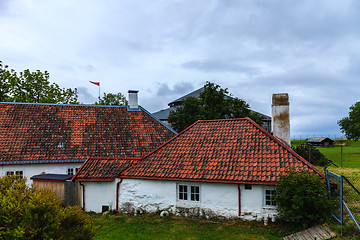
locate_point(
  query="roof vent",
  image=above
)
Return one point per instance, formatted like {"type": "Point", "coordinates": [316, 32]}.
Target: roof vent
{"type": "Point", "coordinates": [133, 99]}
{"type": "Point", "coordinates": [61, 144]}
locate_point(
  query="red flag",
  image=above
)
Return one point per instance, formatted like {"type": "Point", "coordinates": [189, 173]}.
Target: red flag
{"type": "Point", "coordinates": [96, 83]}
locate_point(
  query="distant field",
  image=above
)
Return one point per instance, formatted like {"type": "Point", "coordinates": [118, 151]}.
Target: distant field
{"type": "Point", "coordinates": [351, 152]}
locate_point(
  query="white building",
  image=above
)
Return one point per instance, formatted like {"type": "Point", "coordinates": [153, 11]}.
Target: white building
{"type": "Point", "coordinates": [225, 168]}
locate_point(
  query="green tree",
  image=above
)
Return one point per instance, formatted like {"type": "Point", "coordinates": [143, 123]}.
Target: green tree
{"type": "Point", "coordinates": [350, 125]}
{"type": "Point", "coordinates": [33, 87]}
{"type": "Point", "coordinates": [316, 157]}
{"type": "Point", "coordinates": [117, 99]}
{"type": "Point", "coordinates": [28, 213]}
{"type": "Point", "coordinates": [213, 103]}
{"type": "Point", "coordinates": [302, 198]}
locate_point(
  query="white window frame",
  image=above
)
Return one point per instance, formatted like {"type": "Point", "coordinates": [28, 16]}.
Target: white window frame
{"type": "Point", "coordinates": [72, 170]}
{"type": "Point", "coordinates": [18, 173]}
{"type": "Point", "coordinates": [265, 199]}
{"type": "Point", "coordinates": [191, 194]}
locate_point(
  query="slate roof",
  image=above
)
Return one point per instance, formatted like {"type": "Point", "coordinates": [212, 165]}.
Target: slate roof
{"type": "Point", "coordinates": [103, 169]}
{"type": "Point", "coordinates": [231, 150]}
{"type": "Point", "coordinates": [42, 133]}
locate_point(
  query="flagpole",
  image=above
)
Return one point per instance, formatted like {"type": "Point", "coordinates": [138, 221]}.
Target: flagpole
{"type": "Point", "coordinates": [99, 92]}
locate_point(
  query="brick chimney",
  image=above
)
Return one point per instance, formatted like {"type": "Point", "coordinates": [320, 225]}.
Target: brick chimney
{"type": "Point", "coordinates": [280, 119]}
{"type": "Point", "coordinates": [133, 99]}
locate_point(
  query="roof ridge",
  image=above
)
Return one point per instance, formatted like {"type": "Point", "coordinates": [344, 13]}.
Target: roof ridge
{"type": "Point", "coordinates": [62, 104]}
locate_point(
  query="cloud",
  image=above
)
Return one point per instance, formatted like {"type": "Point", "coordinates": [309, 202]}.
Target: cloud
{"type": "Point", "coordinates": [177, 89]}
{"type": "Point", "coordinates": [85, 96]}
{"type": "Point", "coordinates": [219, 66]}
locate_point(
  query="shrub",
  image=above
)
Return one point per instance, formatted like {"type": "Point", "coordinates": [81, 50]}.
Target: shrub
{"type": "Point", "coordinates": [302, 198]}
{"type": "Point", "coordinates": [26, 213]}
{"type": "Point", "coordinates": [317, 158]}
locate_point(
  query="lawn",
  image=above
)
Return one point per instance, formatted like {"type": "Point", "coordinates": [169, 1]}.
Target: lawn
{"type": "Point", "coordinates": [151, 226]}
{"type": "Point", "coordinates": [351, 152]}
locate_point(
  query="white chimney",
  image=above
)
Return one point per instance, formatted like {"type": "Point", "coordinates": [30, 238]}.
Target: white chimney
{"type": "Point", "coordinates": [280, 119]}
{"type": "Point", "coordinates": [133, 99]}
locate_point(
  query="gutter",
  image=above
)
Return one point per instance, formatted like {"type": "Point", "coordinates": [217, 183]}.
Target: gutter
{"type": "Point", "coordinates": [83, 195]}
{"type": "Point", "coordinates": [117, 195]}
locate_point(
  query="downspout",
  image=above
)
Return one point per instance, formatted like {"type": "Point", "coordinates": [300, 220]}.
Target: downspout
{"type": "Point", "coordinates": [239, 196]}
{"type": "Point", "coordinates": [83, 195]}
{"type": "Point", "coordinates": [117, 195]}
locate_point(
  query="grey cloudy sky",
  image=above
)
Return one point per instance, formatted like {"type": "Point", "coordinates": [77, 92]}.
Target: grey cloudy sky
{"type": "Point", "coordinates": [165, 49]}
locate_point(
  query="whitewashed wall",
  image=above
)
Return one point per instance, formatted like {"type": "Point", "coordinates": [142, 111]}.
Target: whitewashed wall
{"type": "Point", "coordinates": [30, 170]}
{"type": "Point", "coordinates": [216, 199]}
{"type": "Point", "coordinates": [98, 194]}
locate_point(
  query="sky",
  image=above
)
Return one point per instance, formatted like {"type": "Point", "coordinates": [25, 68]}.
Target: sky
{"type": "Point", "coordinates": [168, 48]}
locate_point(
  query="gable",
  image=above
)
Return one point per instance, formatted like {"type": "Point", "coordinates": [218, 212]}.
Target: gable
{"type": "Point", "coordinates": [231, 150]}
{"type": "Point", "coordinates": [37, 133]}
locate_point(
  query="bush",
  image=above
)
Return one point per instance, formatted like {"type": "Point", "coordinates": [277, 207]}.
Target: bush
{"type": "Point", "coordinates": [317, 158]}
{"type": "Point", "coordinates": [302, 198]}
{"type": "Point", "coordinates": [26, 213]}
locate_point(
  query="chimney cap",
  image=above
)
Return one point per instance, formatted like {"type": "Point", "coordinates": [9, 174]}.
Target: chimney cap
{"type": "Point", "coordinates": [280, 99]}
{"type": "Point", "coordinates": [133, 91]}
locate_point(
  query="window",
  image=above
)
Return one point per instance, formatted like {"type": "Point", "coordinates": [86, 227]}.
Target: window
{"type": "Point", "coordinates": [18, 174]}
{"type": "Point", "coordinates": [72, 171]}
{"type": "Point", "coordinates": [183, 191]}
{"type": "Point", "coordinates": [248, 186]}
{"type": "Point", "coordinates": [195, 195]}
{"type": "Point", "coordinates": [269, 197]}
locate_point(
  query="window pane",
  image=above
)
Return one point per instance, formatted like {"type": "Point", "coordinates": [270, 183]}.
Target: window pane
{"type": "Point", "coordinates": [195, 196]}
{"type": "Point", "coordinates": [182, 192]}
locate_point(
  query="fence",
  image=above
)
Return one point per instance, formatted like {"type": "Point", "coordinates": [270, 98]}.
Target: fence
{"type": "Point", "coordinates": [346, 199]}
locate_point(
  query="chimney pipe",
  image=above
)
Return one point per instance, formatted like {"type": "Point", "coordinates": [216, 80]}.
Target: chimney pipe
{"type": "Point", "coordinates": [133, 99]}
{"type": "Point", "coordinates": [280, 119]}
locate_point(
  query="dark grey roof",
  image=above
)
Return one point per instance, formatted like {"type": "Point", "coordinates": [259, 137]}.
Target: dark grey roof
{"type": "Point", "coordinates": [162, 114]}
{"type": "Point", "coordinates": [195, 93]}
{"type": "Point", "coordinates": [52, 177]}
{"type": "Point", "coordinates": [318, 139]}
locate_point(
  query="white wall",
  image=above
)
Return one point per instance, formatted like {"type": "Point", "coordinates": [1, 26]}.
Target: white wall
{"type": "Point", "coordinates": [216, 199]}
{"type": "Point", "coordinates": [98, 194]}
{"type": "Point", "coordinates": [30, 170]}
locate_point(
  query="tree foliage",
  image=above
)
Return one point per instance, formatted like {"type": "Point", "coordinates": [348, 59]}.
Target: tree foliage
{"type": "Point", "coordinates": [26, 213]}
{"type": "Point", "coordinates": [117, 99]}
{"type": "Point", "coordinates": [33, 87]}
{"type": "Point", "coordinates": [316, 157]}
{"type": "Point", "coordinates": [350, 125]}
{"type": "Point", "coordinates": [213, 103]}
{"type": "Point", "coordinates": [302, 197]}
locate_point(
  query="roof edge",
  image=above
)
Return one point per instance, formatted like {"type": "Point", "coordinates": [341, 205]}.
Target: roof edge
{"type": "Point", "coordinates": [168, 127]}
{"type": "Point", "coordinates": [200, 180]}
{"type": "Point", "coordinates": [288, 148]}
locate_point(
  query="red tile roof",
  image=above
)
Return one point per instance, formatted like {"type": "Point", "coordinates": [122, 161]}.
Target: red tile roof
{"type": "Point", "coordinates": [32, 133]}
{"type": "Point", "coordinates": [232, 150]}
{"type": "Point", "coordinates": [103, 169]}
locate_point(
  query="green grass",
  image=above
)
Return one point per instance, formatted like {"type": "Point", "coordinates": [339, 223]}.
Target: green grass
{"type": "Point", "coordinates": [351, 152]}
{"type": "Point", "coordinates": [150, 226]}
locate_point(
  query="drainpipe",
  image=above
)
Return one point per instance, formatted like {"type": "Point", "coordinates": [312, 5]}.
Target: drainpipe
{"type": "Point", "coordinates": [239, 196]}
{"type": "Point", "coordinates": [83, 195]}
{"type": "Point", "coordinates": [117, 195]}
